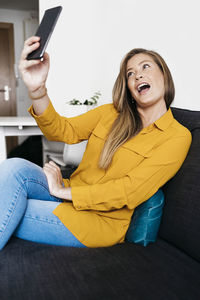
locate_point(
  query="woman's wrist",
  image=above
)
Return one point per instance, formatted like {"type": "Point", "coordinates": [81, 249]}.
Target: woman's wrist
{"type": "Point", "coordinates": [38, 94]}
{"type": "Point", "coordinates": [64, 193]}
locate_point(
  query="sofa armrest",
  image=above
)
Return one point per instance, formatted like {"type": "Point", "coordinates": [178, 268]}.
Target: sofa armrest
{"type": "Point", "coordinates": [72, 154]}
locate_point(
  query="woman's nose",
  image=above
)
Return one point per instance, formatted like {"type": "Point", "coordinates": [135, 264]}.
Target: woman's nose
{"type": "Point", "coordinates": [138, 76]}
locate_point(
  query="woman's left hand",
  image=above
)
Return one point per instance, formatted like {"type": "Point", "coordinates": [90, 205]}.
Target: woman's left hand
{"type": "Point", "coordinates": [55, 181]}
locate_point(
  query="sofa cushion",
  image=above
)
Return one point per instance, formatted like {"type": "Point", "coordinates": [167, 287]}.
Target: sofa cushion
{"type": "Point", "coordinates": [145, 221]}
{"type": "Point", "coordinates": [180, 223]}
{"type": "Point", "coordinates": [127, 271]}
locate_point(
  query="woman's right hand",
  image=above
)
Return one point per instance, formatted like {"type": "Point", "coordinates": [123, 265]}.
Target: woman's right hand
{"type": "Point", "coordinates": [34, 72]}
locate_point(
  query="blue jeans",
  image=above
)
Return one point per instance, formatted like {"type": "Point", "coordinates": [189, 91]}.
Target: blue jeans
{"type": "Point", "coordinates": [26, 206]}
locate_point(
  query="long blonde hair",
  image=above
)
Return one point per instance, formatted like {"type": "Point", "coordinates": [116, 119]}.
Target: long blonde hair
{"type": "Point", "coordinates": [128, 123]}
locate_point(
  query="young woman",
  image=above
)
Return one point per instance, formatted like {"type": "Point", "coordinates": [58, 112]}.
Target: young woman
{"type": "Point", "coordinates": [134, 147]}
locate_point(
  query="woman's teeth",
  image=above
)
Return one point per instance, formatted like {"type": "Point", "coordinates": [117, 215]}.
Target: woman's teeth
{"type": "Point", "coordinates": [143, 87]}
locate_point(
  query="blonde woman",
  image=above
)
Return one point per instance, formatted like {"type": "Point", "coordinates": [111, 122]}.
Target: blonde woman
{"type": "Point", "coordinates": [134, 147]}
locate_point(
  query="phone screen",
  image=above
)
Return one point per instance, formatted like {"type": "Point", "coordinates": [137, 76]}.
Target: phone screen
{"type": "Point", "coordinates": [45, 30]}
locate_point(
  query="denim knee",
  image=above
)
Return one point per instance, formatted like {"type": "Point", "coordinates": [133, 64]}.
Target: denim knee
{"type": "Point", "coordinates": [15, 165]}
{"type": "Point", "coordinates": [12, 163]}
{"type": "Point", "coordinates": [18, 169]}
{"type": "Point", "coordinates": [15, 161]}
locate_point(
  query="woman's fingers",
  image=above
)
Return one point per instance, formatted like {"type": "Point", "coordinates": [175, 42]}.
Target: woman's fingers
{"type": "Point", "coordinates": [46, 59]}
{"type": "Point", "coordinates": [52, 167]}
{"type": "Point", "coordinates": [28, 49]}
{"type": "Point", "coordinates": [54, 178]}
{"type": "Point", "coordinates": [34, 72]}
{"type": "Point", "coordinates": [55, 168]}
{"type": "Point", "coordinates": [31, 40]}
{"type": "Point", "coordinates": [24, 65]}
{"type": "Point", "coordinates": [46, 56]}
{"type": "Point", "coordinates": [30, 45]}
{"type": "Point", "coordinates": [52, 163]}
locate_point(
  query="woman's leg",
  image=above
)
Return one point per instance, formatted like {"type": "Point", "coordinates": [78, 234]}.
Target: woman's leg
{"type": "Point", "coordinates": [40, 225]}
{"type": "Point", "coordinates": [19, 181]}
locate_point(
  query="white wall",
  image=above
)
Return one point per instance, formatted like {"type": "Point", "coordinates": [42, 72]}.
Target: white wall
{"type": "Point", "coordinates": [92, 36]}
{"type": "Point", "coordinates": [18, 17]}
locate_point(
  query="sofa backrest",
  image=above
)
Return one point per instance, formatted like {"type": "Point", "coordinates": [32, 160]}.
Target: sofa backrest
{"type": "Point", "coordinates": [181, 218]}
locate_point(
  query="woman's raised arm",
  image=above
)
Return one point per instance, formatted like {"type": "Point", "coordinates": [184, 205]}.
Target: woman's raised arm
{"type": "Point", "coordinates": [34, 74]}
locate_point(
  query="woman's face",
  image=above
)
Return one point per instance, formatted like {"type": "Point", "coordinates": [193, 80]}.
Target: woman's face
{"type": "Point", "coordinates": [145, 80]}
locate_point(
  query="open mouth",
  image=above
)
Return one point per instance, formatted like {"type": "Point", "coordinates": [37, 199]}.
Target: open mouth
{"type": "Point", "coordinates": [143, 88]}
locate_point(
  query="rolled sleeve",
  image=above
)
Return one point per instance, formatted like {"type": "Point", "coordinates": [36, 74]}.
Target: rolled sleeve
{"type": "Point", "coordinates": [106, 196]}
{"type": "Point", "coordinates": [68, 130]}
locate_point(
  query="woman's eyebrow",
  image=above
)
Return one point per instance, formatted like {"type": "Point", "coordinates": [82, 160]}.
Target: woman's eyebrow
{"type": "Point", "coordinates": [149, 61]}
{"type": "Point", "coordinates": [129, 69]}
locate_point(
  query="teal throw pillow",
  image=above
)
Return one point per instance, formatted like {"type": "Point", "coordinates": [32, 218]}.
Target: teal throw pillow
{"type": "Point", "coordinates": [146, 219]}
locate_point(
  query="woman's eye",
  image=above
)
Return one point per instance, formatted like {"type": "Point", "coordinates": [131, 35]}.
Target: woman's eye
{"type": "Point", "coordinates": [130, 74]}
{"type": "Point", "coordinates": [145, 66]}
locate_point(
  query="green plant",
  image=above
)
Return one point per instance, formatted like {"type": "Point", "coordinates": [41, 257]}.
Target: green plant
{"type": "Point", "coordinates": [92, 100]}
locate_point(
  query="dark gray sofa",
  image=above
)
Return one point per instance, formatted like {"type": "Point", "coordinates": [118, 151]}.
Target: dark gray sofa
{"type": "Point", "coordinates": [167, 269]}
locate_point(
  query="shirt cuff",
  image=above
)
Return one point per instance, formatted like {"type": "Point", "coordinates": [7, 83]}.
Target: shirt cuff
{"type": "Point", "coordinates": [77, 197]}
{"type": "Point", "coordinates": [66, 182]}
{"type": "Point", "coordinates": [44, 116]}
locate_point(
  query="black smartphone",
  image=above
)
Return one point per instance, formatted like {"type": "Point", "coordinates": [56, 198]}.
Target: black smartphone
{"type": "Point", "coordinates": [45, 30]}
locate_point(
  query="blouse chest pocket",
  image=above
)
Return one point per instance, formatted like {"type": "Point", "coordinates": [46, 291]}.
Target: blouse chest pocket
{"type": "Point", "coordinates": [128, 157]}
{"type": "Point", "coordinates": [142, 149]}
{"type": "Point", "coordinates": [96, 143]}
{"type": "Point", "coordinates": [100, 131]}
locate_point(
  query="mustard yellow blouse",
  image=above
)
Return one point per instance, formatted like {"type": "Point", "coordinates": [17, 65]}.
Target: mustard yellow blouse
{"type": "Point", "coordinates": [103, 201]}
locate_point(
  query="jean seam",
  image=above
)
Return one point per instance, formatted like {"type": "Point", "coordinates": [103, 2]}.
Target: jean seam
{"type": "Point", "coordinates": [36, 181]}
{"type": "Point", "coordinates": [39, 218]}
{"type": "Point", "coordinates": [13, 204]}
{"type": "Point", "coordinates": [42, 220]}
{"type": "Point", "coordinates": [11, 209]}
